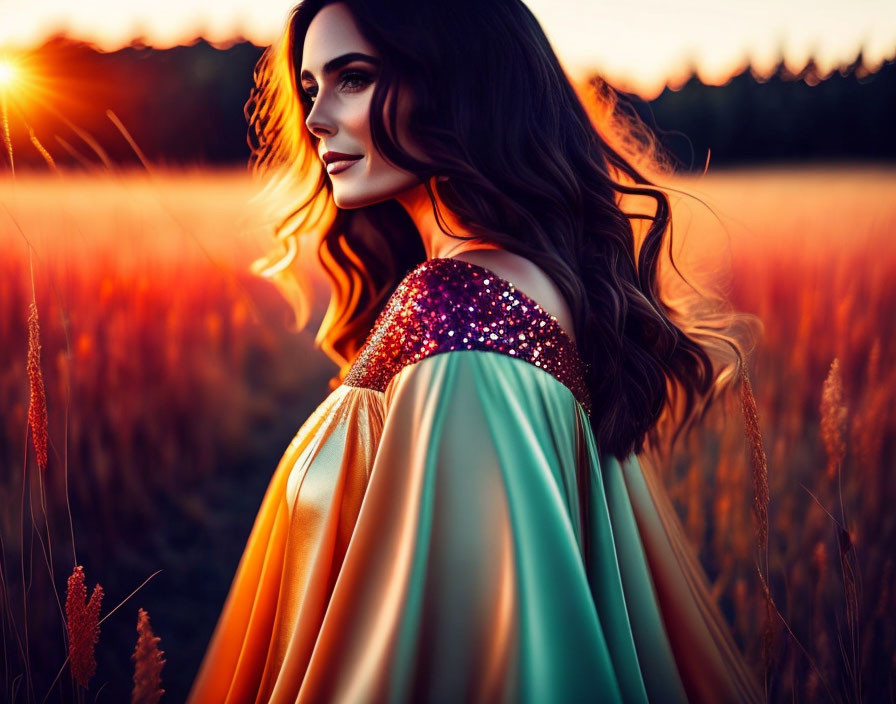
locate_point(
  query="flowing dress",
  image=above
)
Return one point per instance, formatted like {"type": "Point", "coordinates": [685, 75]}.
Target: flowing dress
{"type": "Point", "coordinates": [422, 538]}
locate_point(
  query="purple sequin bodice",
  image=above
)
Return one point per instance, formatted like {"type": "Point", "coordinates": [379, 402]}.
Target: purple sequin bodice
{"type": "Point", "coordinates": [447, 304]}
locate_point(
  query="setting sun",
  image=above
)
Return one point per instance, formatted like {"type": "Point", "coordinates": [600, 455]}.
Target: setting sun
{"type": "Point", "coordinates": [7, 72]}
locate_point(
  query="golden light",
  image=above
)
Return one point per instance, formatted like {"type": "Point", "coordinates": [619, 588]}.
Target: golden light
{"type": "Point", "coordinates": [8, 72]}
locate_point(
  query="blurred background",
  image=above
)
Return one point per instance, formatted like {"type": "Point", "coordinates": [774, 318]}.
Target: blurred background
{"type": "Point", "coordinates": [174, 379]}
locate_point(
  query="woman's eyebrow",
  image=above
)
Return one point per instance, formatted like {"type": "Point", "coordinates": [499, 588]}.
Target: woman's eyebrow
{"type": "Point", "coordinates": [340, 61]}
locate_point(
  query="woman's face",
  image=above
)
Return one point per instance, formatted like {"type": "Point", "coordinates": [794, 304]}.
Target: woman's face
{"type": "Point", "coordinates": [338, 71]}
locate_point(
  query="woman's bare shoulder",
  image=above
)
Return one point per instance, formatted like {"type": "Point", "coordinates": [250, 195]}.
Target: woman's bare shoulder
{"type": "Point", "coordinates": [526, 276]}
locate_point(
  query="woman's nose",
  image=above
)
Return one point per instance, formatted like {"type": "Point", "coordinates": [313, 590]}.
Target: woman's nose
{"type": "Point", "coordinates": [317, 123]}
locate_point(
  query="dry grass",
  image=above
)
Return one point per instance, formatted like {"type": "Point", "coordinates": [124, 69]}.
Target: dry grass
{"type": "Point", "coordinates": [82, 618]}
{"type": "Point", "coordinates": [156, 367]}
{"type": "Point", "coordinates": [812, 254]}
{"type": "Point", "coordinates": [37, 406]}
{"type": "Point", "coordinates": [148, 664]}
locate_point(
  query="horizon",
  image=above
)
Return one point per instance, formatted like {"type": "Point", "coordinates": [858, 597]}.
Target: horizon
{"type": "Point", "coordinates": [762, 71]}
{"type": "Point", "coordinates": [641, 49]}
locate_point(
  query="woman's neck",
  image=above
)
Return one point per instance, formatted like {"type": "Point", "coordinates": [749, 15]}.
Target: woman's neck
{"type": "Point", "coordinates": [437, 243]}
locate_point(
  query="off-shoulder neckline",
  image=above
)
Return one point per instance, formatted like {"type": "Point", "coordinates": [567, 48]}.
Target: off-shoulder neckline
{"type": "Point", "coordinates": [491, 274]}
{"type": "Point", "coordinates": [419, 319]}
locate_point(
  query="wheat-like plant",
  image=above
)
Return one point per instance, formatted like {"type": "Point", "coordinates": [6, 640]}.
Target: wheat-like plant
{"type": "Point", "coordinates": [37, 408]}
{"type": "Point", "coordinates": [82, 621]}
{"type": "Point", "coordinates": [148, 664]}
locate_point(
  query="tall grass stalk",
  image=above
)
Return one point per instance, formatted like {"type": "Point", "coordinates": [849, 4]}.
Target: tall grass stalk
{"type": "Point", "coordinates": [834, 417]}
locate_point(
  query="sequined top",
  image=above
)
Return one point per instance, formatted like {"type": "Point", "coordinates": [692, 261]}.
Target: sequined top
{"type": "Point", "coordinates": [447, 304]}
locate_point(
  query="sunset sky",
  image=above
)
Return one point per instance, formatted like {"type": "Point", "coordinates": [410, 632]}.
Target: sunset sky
{"type": "Point", "coordinates": [640, 45]}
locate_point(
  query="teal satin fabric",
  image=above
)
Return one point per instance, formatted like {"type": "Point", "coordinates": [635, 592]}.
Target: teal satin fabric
{"type": "Point", "coordinates": [583, 635]}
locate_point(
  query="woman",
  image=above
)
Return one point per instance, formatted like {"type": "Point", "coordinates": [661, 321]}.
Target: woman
{"type": "Point", "coordinates": [464, 517]}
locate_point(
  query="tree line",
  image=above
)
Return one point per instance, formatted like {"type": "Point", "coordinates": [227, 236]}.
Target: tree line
{"type": "Point", "coordinates": [184, 107]}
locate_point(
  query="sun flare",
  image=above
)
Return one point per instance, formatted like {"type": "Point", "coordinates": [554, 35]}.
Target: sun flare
{"type": "Point", "coordinates": [8, 73]}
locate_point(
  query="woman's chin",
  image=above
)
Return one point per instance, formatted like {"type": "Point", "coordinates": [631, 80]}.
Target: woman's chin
{"type": "Point", "coordinates": [348, 200]}
{"type": "Point", "coordinates": [352, 201]}
{"type": "Point", "coordinates": [358, 190]}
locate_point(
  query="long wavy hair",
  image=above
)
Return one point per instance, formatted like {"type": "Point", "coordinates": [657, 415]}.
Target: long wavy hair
{"type": "Point", "coordinates": [532, 167]}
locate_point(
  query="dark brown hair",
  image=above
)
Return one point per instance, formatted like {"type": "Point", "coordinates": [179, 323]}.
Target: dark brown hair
{"type": "Point", "coordinates": [531, 167]}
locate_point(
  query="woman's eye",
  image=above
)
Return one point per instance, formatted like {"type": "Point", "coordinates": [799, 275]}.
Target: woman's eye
{"type": "Point", "coordinates": [354, 78]}
{"type": "Point", "coordinates": [353, 81]}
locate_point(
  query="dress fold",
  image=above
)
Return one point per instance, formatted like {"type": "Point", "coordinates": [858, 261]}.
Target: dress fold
{"type": "Point", "coordinates": [444, 528]}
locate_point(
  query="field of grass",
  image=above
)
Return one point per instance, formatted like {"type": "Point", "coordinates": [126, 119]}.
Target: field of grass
{"type": "Point", "coordinates": [812, 255]}
{"type": "Point", "coordinates": [173, 383]}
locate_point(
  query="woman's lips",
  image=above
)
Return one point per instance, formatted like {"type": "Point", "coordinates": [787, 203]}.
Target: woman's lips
{"type": "Point", "coordinates": [334, 167]}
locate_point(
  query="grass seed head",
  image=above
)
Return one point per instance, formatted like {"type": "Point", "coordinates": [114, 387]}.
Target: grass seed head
{"type": "Point", "coordinates": [37, 408]}
{"type": "Point", "coordinates": [148, 664]}
{"type": "Point", "coordinates": [82, 621]}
